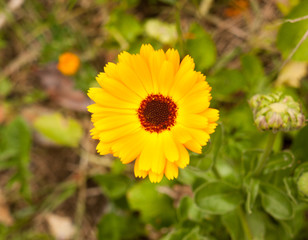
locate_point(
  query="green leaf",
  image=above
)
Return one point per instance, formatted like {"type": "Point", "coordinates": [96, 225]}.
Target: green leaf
{"type": "Point", "coordinates": [300, 170]}
{"type": "Point", "coordinates": [252, 188]}
{"type": "Point", "coordinates": [286, 6]}
{"type": "Point", "coordinates": [217, 141]}
{"type": "Point", "coordinates": [276, 202]}
{"type": "Point", "coordinates": [233, 224]}
{"type": "Point", "coordinates": [217, 197]}
{"type": "Point", "coordinates": [250, 160]}
{"type": "Point", "coordinates": [295, 226]}
{"type": "Point", "coordinates": [114, 226]}
{"type": "Point", "coordinates": [225, 83]}
{"type": "Point", "coordinates": [188, 210]}
{"type": "Point", "coordinates": [253, 73]}
{"type": "Point", "coordinates": [201, 47]}
{"type": "Point", "coordinates": [15, 144]}
{"type": "Point", "coordinates": [256, 222]}
{"type": "Point", "coordinates": [185, 234]}
{"type": "Point", "coordinates": [113, 185]}
{"type": "Point", "coordinates": [252, 68]}
{"type": "Point", "coordinates": [155, 208]}
{"type": "Point", "coordinates": [290, 187]}
{"type": "Point", "coordinates": [123, 27]}
{"type": "Point", "coordinates": [63, 131]}
{"type": "Point", "coordinates": [279, 161]}
{"type": "Point", "coordinates": [299, 145]}
{"type": "Point", "coordinates": [290, 34]}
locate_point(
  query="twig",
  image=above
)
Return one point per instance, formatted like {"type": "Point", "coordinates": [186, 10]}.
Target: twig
{"type": "Point", "coordinates": [10, 8]}
{"type": "Point", "coordinates": [22, 59]}
{"type": "Point", "coordinates": [227, 25]}
{"type": "Point", "coordinates": [294, 50]}
{"type": "Point", "coordinates": [291, 20]}
{"type": "Point", "coordinates": [296, 19]}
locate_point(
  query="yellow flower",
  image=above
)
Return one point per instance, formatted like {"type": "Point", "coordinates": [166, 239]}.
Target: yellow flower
{"type": "Point", "coordinates": [151, 108]}
{"type": "Point", "coordinates": [68, 63]}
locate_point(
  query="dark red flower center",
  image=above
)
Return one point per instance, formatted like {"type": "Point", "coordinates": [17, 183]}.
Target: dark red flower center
{"type": "Point", "coordinates": [157, 113]}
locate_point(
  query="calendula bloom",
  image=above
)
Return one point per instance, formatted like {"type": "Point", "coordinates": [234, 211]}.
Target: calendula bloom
{"type": "Point", "coordinates": [151, 108]}
{"type": "Point", "coordinates": [68, 64]}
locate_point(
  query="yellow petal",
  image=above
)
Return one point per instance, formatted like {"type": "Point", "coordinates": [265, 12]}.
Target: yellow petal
{"type": "Point", "coordinates": [171, 170]}
{"type": "Point", "coordinates": [202, 78]}
{"type": "Point", "coordinates": [154, 177]}
{"type": "Point", "coordinates": [116, 133]}
{"type": "Point", "coordinates": [199, 87]}
{"type": "Point", "coordinates": [139, 173]}
{"type": "Point", "coordinates": [158, 158]}
{"type": "Point", "coordinates": [142, 70]}
{"type": "Point", "coordinates": [146, 156]}
{"type": "Point", "coordinates": [146, 51]}
{"type": "Point", "coordinates": [184, 157]}
{"type": "Point", "coordinates": [169, 147]}
{"type": "Point", "coordinates": [166, 78]}
{"type": "Point", "coordinates": [103, 149]}
{"type": "Point", "coordinates": [186, 65]}
{"type": "Point", "coordinates": [125, 57]}
{"type": "Point", "coordinates": [116, 88]}
{"type": "Point", "coordinates": [182, 83]}
{"type": "Point", "coordinates": [115, 121]}
{"type": "Point", "coordinates": [156, 60]}
{"type": "Point", "coordinates": [193, 146]}
{"type": "Point", "coordinates": [174, 57]}
{"type": "Point", "coordinates": [180, 133]}
{"type": "Point", "coordinates": [129, 147]}
{"type": "Point", "coordinates": [94, 133]}
{"type": "Point", "coordinates": [100, 111]}
{"type": "Point", "coordinates": [211, 114]}
{"type": "Point", "coordinates": [105, 99]}
{"type": "Point", "coordinates": [200, 135]}
{"type": "Point", "coordinates": [211, 128]}
{"type": "Point", "coordinates": [111, 70]}
{"type": "Point", "coordinates": [192, 120]}
{"type": "Point", "coordinates": [196, 102]}
{"type": "Point", "coordinates": [129, 78]}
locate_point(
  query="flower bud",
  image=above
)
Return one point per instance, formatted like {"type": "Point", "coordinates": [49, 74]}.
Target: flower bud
{"type": "Point", "coordinates": [276, 113]}
{"type": "Point", "coordinates": [302, 183]}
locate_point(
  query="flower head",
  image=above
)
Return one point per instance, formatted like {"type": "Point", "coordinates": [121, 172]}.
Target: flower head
{"type": "Point", "coordinates": [276, 113]}
{"type": "Point", "coordinates": [150, 109]}
{"type": "Point", "coordinates": [69, 63]}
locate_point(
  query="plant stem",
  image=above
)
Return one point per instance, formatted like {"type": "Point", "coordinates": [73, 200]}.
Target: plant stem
{"type": "Point", "coordinates": [82, 194]}
{"type": "Point", "coordinates": [244, 223]}
{"type": "Point", "coordinates": [179, 30]}
{"type": "Point", "coordinates": [267, 151]}
{"type": "Point", "coordinates": [215, 171]}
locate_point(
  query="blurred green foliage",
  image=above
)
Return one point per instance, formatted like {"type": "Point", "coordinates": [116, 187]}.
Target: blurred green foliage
{"type": "Point", "coordinates": [291, 33]}
{"type": "Point", "coordinates": [15, 145]}
{"type": "Point", "coordinates": [66, 132]}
